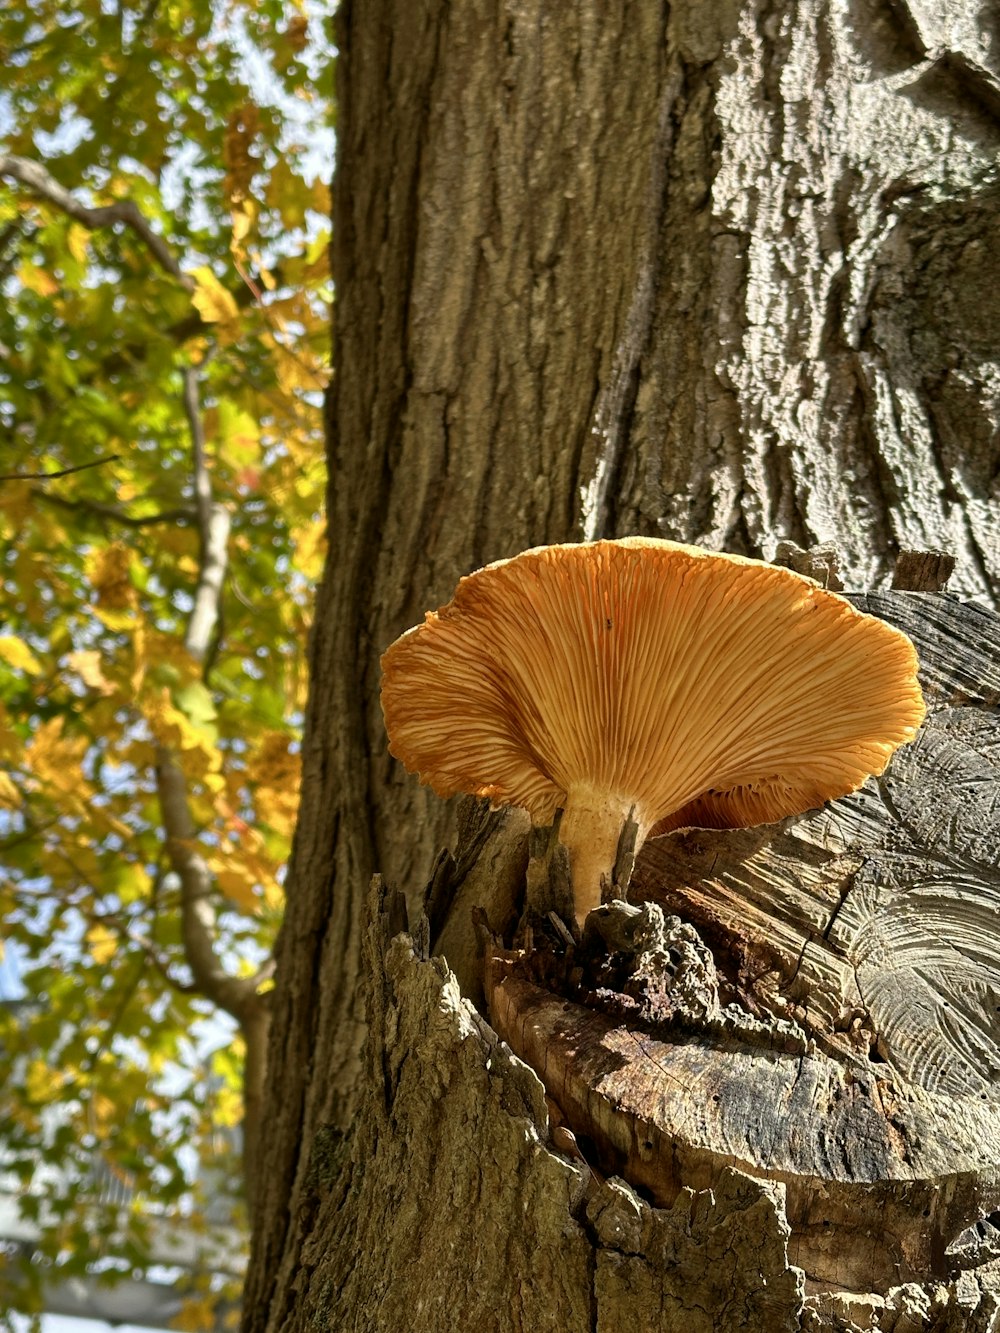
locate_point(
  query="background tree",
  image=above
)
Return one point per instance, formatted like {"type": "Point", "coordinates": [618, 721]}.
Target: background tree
{"type": "Point", "coordinates": [718, 273]}
{"type": "Point", "coordinates": [162, 351]}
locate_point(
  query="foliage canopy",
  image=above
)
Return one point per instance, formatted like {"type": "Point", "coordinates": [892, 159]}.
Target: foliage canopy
{"type": "Point", "coordinates": [163, 347]}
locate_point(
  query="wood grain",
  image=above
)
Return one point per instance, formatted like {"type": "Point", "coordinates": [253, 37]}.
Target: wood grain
{"type": "Point", "coordinates": [871, 926]}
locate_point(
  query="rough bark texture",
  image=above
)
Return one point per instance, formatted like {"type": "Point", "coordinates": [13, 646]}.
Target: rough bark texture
{"type": "Point", "coordinates": [720, 272]}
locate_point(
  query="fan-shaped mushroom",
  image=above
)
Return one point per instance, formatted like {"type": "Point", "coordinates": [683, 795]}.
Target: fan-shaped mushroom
{"type": "Point", "coordinates": [645, 677]}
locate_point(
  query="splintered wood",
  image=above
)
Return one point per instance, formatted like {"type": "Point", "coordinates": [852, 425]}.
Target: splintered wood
{"type": "Point", "coordinates": [852, 1050]}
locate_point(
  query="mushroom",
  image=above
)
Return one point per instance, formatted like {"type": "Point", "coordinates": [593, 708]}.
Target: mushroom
{"type": "Point", "coordinates": [646, 679]}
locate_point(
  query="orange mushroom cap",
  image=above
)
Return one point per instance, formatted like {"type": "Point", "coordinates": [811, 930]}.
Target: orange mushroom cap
{"type": "Point", "coordinates": [646, 677]}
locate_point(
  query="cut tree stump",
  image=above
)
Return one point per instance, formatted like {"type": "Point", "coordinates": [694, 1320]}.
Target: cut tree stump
{"type": "Point", "coordinates": [762, 1098]}
{"type": "Point", "coordinates": [854, 1051]}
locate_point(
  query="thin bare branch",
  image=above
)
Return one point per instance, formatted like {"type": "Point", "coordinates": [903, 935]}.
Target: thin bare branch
{"type": "Point", "coordinates": [199, 926]}
{"type": "Point", "coordinates": [213, 525]}
{"type": "Point", "coordinates": [62, 472]}
{"type": "Point", "coordinates": [116, 515]}
{"type": "Point", "coordinates": [43, 185]}
{"type": "Point", "coordinates": [237, 995]}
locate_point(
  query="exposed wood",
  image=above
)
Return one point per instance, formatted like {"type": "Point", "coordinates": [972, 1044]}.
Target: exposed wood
{"type": "Point", "coordinates": [819, 562]}
{"type": "Point", "coordinates": [457, 1203]}
{"type": "Point", "coordinates": [874, 918]}
{"type": "Point", "coordinates": [794, 1157]}
{"type": "Point", "coordinates": [922, 571]}
{"type": "Point", "coordinates": [877, 1184]}
{"type": "Point", "coordinates": [868, 929]}
{"type": "Point", "coordinates": [452, 1175]}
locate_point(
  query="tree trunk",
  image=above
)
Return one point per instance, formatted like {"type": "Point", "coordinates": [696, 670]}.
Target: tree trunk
{"type": "Point", "coordinates": [724, 273]}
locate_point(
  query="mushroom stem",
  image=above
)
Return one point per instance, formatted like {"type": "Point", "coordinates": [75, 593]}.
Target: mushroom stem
{"type": "Point", "coordinates": [591, 826]}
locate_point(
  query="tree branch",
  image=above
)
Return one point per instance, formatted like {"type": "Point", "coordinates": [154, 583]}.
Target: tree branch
{"type": "Point", "coordinates": [237, 995]}
{"type": "Point", "coordinates": [234, 994]}
{"type": "Point", "coordinates": [62, 472]}
{"type": "Point", "coordinates": [199, 927]}
{"type": "Point", "coordinates": [117, 515]}
{"type": "Point", "coordinates": [265, 972]}
{"type": "Point", "coordinates": [213, 525]}
{"type": "Point", "coordinates": [40, 183]}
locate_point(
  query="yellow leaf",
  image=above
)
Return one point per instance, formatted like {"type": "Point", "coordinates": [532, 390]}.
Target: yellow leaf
{"type": "Point", "coordinates": [43, 1083]}
{"type": "Point", "coordinates": [286, 192]}
{"type": "Point", "coordinates": [87, 665]}
{"type": "Point", "coordinates": [294, 371]}
{"type": "Point", "coordinates": [196, 1315]}
{"type": "Point", "coordinates": [273, 774]}
{"type": "Point", "coordinates": [174, 729]}
{"type": "Point", "coordinates": [244, 216]}
{"type": "Point", "coordinates": [239, 886]}
{"type": "Point", "coordinates": [197, 350]}
{"type": "Point", "coordinates": [239, 435]}
{"type": "Point", "coordinates": [104, 1112]}
{"type": "Point", "coordinates": [140, 753]}
{"type": "Point", "coordinates": [116, 621]}
{"type": "Point", "coordinates": [103, 821]}
{"type": "Point", "coordinates": [108, 570]}
{"type": "Point", "coordinates": [102, 943]}
{"type": "Point", "coordinates": [77, 240]}
{"type": "Point", "coordinates": [55, 761]}
{"type": "Point", "coordinates": [16, 505]}
{"type": "Point", "coordinates": [10, 797]}
{"type": "Point", "coordinates": [131, 883]}
{"type": "Point", "coordinates": [37, 280]}
{"type": "Point", "coordinates": [228, 1107]}
{"type": "Point", "coordinates": [310, 549]}
{"type": "Point", "coordinates": [215, 304]}
{"type": "Point", "coordinates": [321, 197]}
{"type": "Point", "coordinates": [16, 653]}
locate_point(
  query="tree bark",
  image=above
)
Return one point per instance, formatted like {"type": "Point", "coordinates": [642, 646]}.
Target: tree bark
{"type": "Point", "coordinates": [722, 273]}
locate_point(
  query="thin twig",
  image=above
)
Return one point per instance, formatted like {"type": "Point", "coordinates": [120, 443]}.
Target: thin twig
{"type": "Point", "coordinates": [117, 515]}
{"type": "Point", "coordinates": [63, 472]}
{"type": "Point", "coordinates": [113, 921]}
{"type": "Point", "coordinates": [126, 211]}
